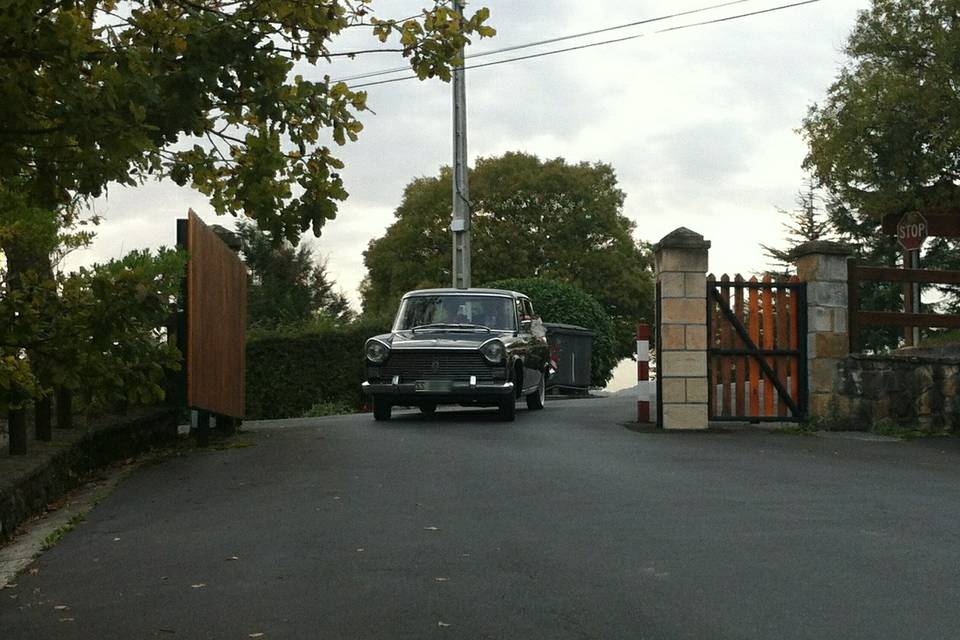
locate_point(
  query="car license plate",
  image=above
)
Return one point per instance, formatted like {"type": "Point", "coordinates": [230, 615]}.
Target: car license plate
{"type": "Point", "coordinates": [433, 385]}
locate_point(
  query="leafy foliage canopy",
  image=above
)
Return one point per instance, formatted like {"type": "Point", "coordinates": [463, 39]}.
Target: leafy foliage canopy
{"type": "Point", "coordinates": [567, 304]}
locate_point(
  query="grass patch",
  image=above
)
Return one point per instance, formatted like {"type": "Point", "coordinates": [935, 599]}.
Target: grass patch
{"type": "Point", "coordinates": [904, 432]}
{"type": "Point", "coordinates": [808, 427]}
{"type": "Point", "coordinates": [322, 409]}
{"type": "Point", "coordinates": [233, 443]}
{"type": "Point", "coordinates": [942, 339]}
{"type": "Point", "coordinates": [56, 536]}
{"type": "Point", "coordinates": [799, 430]}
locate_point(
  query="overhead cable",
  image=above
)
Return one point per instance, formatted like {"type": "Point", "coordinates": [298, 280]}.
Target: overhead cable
{"type": "Point", "coordinates": [539, 43]}
{"type": "Point", "coordinates": [604, 42]}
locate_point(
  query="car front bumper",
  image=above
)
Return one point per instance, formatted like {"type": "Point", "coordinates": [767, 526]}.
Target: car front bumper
{"type": "Point", "coordinates": [439, 391]}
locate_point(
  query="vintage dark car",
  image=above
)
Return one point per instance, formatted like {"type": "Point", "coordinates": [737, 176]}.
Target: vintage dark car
{"type": "Point", "coordinates": [474, 347]}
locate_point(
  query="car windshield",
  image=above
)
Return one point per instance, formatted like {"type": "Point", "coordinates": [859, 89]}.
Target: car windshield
{"type": "Point", "coordinates": [493, 312]}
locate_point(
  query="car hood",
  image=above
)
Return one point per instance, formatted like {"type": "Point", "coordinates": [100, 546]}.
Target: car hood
{"type": "Point", "coordinates": [438, 339]}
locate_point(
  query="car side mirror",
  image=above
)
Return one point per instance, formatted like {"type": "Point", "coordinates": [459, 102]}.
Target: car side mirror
{"type": "Point", "coordinates": [525, 325]}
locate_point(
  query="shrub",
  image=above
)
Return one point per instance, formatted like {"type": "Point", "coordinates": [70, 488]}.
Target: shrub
{"type": "Point", "coordinates": [565, 303]}
{"type": "Point", "coordinates": [292, 369]}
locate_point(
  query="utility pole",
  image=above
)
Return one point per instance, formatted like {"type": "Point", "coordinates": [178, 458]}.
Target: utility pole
{"type": "Point", "coordinates": [461, 190]}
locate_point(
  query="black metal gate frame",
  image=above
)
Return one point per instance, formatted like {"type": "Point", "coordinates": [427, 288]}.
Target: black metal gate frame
{"type": "Point", "coordinates": [797, 406]}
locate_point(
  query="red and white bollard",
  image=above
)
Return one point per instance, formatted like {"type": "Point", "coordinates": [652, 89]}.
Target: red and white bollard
{"type": "Point", "coordinates": [643, 373]}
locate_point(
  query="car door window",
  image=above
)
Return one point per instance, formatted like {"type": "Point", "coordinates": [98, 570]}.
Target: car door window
{"type": "Point", "coordinates": [528, 309]}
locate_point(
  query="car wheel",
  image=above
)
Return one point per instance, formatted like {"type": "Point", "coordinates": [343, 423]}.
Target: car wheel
{"type": "Point", "coordinates": [508, 408]}
{"type": "Point", "coordinates": [538, 398]}
{"type": "Point", "coordinates": [381, 409]}
{"type": "Point", "coordinates": [428, 408]}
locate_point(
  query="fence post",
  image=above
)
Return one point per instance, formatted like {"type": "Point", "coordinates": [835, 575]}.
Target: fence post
{"type": "Point", "coordinates": [64, 403]}
{"type": "Point", "coordinates": [202, 428]}
{"type": "Point", "coordinates": [681, 270]}
{"type": "Point", "coordinates": [853, 305]}
{"type": "Point", "coordinates": [823, 266]}
{"type": "Point", "coordinates": [643, 373]}
{"type": "Point", "coordinates": [43, 419]}
{"type": "Point", "coordinates": [17, 425]}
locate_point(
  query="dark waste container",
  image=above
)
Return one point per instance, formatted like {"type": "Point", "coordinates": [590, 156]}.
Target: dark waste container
{"type": "Point", "coordinates": [571, 347]}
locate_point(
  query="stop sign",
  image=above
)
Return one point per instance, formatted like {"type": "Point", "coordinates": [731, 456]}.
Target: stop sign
{"type": "Point", "coordinates": [912, 231]}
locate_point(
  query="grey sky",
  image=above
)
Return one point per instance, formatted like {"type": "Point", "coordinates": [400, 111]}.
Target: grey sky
{"type": "Point", "coordinates": [699, 124]}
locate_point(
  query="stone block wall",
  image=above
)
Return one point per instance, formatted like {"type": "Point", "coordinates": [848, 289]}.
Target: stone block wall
{"type": "Point", "coordinates": [51, 469]}
{"type": "Point", "coordinates": [902, 390]}
{"type": "Point", "coordinates": [823, 266]}
{"type": "Point", "coordinates": [681, 267]}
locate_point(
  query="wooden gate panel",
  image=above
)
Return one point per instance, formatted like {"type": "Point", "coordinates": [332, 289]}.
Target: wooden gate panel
{"type": "Point", "coordinates": [756, 350]}
{"type": "Point", "coordinates": [742, 363]}
{"type": "Point", "coordinates": [216, 304]}
{"type": "Point", "coordinates": [782, 338]}
{"type": "Point", "coordinates": [754, 312]}
{"type": "Point", "coordinates": [726, 342]}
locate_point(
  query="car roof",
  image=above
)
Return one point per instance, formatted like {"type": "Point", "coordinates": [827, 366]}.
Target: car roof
{"type": "Point", "coordinates": [451, 290]}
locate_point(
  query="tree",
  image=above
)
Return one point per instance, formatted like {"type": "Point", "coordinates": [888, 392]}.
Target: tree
{"type": "Point", "coordinates": [531, 218]}
{"type": "Point", "coordinates": [105, 333]}
{"type": "Point", "coordinates": [887, 137]}
{"type": "Point", "coordinates": [886, 140]}
{"type": "Point", "coordinates": [567, 304]}
{"type": "Point", "coordinates": [109, 339]}
{"type": "Point", "coordinates": [805, 224]}
{"type": "Point", "coordinates": [286, 285]}
{"type": "Point", "coordinates": [200, 91]}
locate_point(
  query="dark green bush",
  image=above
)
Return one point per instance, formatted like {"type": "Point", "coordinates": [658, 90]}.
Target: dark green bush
{"type": "Point", "coordinates": [565, 303]}
{"type": "Point", "coordinates": [291, 369]}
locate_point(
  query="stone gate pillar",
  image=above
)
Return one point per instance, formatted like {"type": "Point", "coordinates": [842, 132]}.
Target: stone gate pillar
{"type": "Point", "coordinates": [823, 266]}
{"type": "Point", "coordinates": [681, 271]}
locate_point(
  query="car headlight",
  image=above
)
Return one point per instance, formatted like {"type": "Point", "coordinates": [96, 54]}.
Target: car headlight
{"type": "Point", "coordinates": [493, 351]}
{"type": "Point", "coordinates": [377, 352]}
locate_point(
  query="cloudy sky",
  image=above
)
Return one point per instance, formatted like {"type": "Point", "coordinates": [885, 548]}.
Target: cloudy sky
{"type": "Point", "coordinates": [699, 124]}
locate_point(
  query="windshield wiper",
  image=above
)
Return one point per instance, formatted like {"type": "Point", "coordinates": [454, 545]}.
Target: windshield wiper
{"type": "Point", "coordinates": [448, 325]}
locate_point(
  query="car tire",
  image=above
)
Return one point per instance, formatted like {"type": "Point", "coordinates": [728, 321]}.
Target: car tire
{"type": "Point", "coordinates": [381, 410]}
{"type": "Point", "coordinates": [537, 399]}
{"type": "Point", "coordinates": [428, 408]}
{"type": "Point", "coordinates": [508, 409]}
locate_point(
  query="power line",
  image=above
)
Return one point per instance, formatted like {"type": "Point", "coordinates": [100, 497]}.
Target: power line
{"type": "Point", "coordinates": [606, 42]}
{"type": "Point", "coordinates": [742, 15]}
{"type": "Point", "coordinates": [538, 43]}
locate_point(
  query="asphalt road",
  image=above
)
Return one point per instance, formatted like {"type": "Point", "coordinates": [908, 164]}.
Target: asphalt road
{"type": "Point", "coordinates": [563, 524]}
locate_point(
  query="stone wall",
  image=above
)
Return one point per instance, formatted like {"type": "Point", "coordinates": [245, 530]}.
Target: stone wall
{"type": "Point", "coordinates": [51, 469]}
{"type": "Point", "coordinates": [921, 391]}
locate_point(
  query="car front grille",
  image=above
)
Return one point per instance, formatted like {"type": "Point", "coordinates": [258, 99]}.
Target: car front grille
{"type": "Point", "coordinates": [437, 365]}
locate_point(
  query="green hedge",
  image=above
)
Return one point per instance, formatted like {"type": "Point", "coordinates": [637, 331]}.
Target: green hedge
{"type": "Point", "coordinates": [291, 369]}
{"type": "Point", "coordinates": [567, 304]}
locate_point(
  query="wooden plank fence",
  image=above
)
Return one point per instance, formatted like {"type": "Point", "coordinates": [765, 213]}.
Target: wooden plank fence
{"type": "Point", "coordinates": [859, 318]}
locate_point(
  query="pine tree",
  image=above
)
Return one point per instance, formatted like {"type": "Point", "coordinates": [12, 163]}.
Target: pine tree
{"type": "Point", "coordinates": [287, 284]}
{"type": "Point", "coordinates": [806, 223]}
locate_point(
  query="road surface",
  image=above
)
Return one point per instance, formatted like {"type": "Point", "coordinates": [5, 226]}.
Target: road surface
{"type": "Point", "coordinates": [564, 524]}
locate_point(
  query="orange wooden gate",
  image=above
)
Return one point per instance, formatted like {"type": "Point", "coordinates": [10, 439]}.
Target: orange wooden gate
{"type": "Point", "coordinates": [757, 353]}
